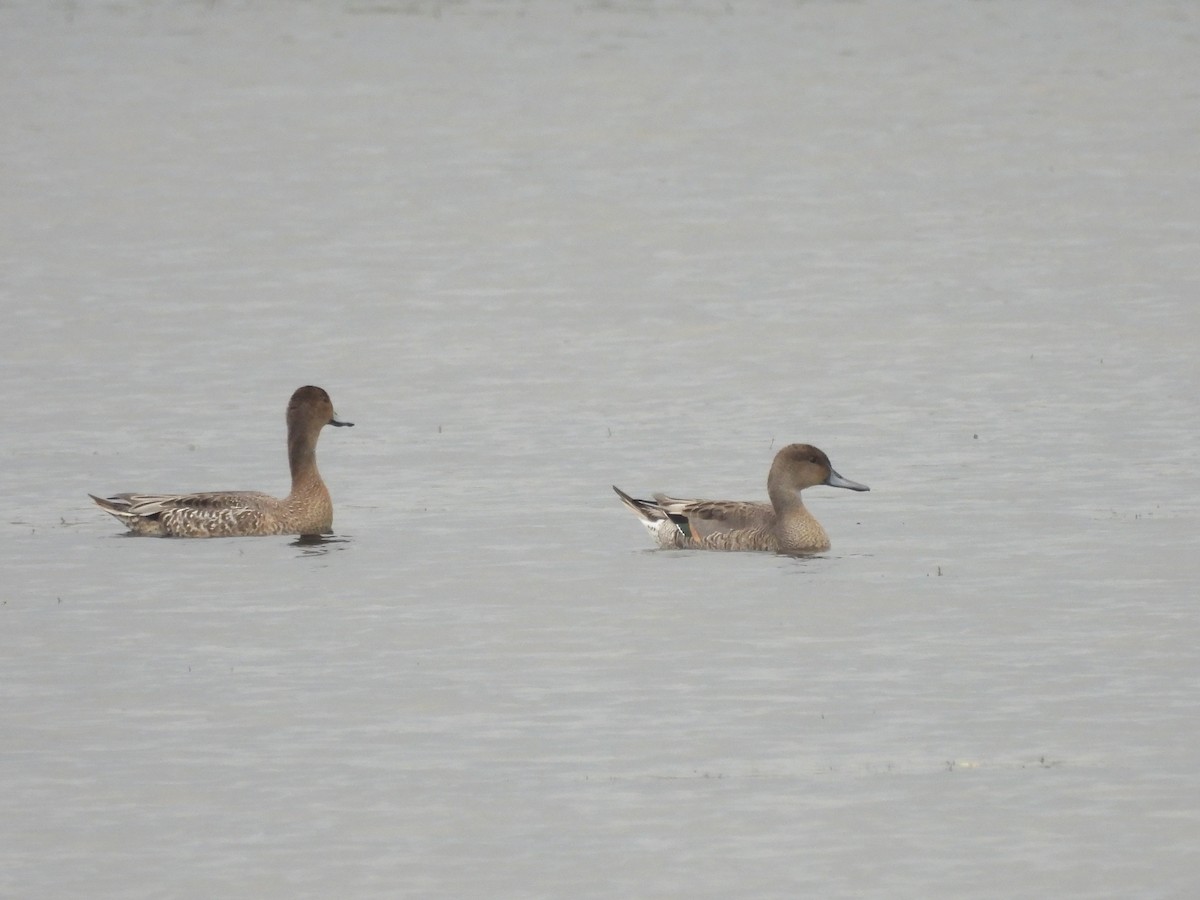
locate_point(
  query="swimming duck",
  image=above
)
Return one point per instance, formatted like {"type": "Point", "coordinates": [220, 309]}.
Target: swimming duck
{"type": "Point", "coordinates": [784, 525]}
{"type": "Point", "coordinates": [308, 509]}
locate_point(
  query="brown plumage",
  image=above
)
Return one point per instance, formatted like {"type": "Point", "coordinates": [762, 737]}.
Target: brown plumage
{"type": "Point", "coordinates": [308, 509]}
{"type": "Point", "coordinates": [784, 525]}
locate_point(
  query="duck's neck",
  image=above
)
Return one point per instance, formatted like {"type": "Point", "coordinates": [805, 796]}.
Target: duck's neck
{"type": "Point", "coordinates": [784, 499]}
{"type": "Point", "coordinates": [795, 528]}
{"type": "Point", "coordinates": [302, 460]}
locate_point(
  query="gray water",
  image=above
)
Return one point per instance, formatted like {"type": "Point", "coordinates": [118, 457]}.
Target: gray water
{"type": "Point", "coordinates": [535, 249]}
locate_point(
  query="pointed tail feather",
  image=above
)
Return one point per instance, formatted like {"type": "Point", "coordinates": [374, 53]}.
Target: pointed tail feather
{"type": "Point", "coordinates": [646, 510]}
{"type": "Point", "coordinates": [668, 530]}
{"type": "Point", "coordinates": [116, 506]}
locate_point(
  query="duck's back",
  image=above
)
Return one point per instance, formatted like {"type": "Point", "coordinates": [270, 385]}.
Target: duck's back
{"type": "Point", "coordinates": [204, 514]}
{"type": "Point", "coordinates": [724, 524]}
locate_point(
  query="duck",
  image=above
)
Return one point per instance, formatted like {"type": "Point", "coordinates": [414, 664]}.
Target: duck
{"type": "Point", "coordinates": [782, 526]}
{"type": "Point", "coordinates": [307, 510]}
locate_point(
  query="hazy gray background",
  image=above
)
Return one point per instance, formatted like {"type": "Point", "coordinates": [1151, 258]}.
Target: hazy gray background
{"type": "Point", "coordinates": [534, 249]}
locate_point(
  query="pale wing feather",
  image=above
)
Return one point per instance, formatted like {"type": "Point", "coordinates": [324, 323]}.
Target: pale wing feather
{"type": "Point", "coordinates": [707, 517]}
{"type": "Point", "coordinates": [155, 504]}
{"type": "Point", "coordinates": [723, 524]}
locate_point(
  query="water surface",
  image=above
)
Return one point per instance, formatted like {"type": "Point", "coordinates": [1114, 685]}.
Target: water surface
{"type": "Point", "coordinates": [536, 249]}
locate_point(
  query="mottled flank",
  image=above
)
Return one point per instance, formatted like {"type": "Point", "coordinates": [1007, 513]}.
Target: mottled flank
{"type": "Point", "coordinates": [308, 509]}
{"type": "Point", "coordinates": [783, 526]}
